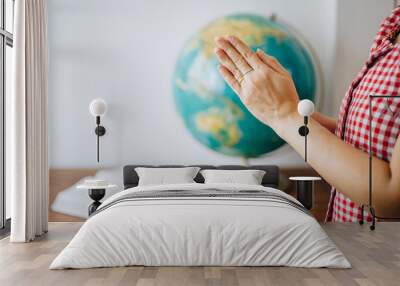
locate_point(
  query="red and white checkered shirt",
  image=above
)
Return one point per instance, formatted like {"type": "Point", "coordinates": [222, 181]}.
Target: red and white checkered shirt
{"type": "Point", "coordinates": [379, 76]}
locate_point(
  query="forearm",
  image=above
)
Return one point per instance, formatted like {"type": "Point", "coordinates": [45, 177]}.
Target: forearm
{"type": "Point", "coordinates": [345, 167]}
{"type": "Point", "coordinates": [326, 121]}
{"type": "Point", "coordinates": [267, 89]}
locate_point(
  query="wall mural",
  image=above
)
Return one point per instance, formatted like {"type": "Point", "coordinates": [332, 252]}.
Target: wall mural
{"type": "Point", "coordinates": [210, 109]}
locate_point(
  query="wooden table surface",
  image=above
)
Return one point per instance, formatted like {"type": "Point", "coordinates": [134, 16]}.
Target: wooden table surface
{"type": "Point", "coordinates": [375, 257]}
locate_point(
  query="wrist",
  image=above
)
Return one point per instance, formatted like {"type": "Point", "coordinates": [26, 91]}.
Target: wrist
{"type": "Point", "coordinates": [287, 124]}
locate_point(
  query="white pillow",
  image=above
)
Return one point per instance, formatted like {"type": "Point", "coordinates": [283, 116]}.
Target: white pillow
{"type": "Point", "coordinates": [248, 177]}
{"type": "Point", "coordinates": [164, 176]}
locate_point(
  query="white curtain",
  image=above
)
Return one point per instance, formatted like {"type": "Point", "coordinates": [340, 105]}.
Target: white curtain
{"type": "Point", "coordinates": [27, 122]}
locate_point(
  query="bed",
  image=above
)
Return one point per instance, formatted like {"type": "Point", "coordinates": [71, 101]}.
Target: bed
{"type": "Point", "coordinates": [201, 224]}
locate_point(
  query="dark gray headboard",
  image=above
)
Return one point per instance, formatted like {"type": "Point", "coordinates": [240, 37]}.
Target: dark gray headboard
{"type": "Point", "coordinates": [271, 177]}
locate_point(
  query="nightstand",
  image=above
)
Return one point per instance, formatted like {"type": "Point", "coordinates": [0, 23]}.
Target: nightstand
{"type": "Point", "coordinates": [96, 193]}
{"type": "Point", "coordinates": [305, 190]}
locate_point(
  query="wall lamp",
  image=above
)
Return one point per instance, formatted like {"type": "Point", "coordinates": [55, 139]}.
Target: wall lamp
{"type": "Point", "coordinates": [98, 108]}
{"type": "Point", "coordinates": [305, 109]}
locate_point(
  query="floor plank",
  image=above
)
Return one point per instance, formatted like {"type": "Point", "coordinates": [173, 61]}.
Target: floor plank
{"type": "Point", "coordinates": [375, 257]}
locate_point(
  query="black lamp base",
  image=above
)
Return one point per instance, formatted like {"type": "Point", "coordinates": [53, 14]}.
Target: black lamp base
{"type": "Point", "coordinates": [303, 130]}
{"type": "Point", "coordinates": [100, 130]}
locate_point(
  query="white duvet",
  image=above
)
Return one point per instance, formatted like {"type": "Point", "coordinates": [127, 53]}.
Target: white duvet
{"type": "Point", "coordinates": [199, 231]}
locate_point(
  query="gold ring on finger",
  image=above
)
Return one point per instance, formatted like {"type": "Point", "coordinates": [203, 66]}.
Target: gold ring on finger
{"type": "Point", "coordinates": [242, 76]}
{"type": "Point", "coordinates": [249, 71]}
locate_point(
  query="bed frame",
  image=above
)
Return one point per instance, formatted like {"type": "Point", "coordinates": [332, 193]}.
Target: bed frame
{"type": "Point", "coordinates": [271, 177]}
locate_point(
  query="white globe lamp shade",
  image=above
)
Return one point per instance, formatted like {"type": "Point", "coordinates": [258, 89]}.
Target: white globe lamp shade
{"type": "Point", "coordinates": [98, 107]}
{"type": "Point", "coordinates": [305, 107]}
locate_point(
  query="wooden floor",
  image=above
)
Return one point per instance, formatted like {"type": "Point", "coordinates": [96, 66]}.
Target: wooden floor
{"type": "Point", "coordinates": [375, 257]}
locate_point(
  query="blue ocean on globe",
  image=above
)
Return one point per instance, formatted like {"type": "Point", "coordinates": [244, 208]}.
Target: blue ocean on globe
{"type": "Point", "coordinates": [210, 109]}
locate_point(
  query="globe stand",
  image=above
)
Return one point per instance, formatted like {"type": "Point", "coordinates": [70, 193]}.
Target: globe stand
{"type": "Point", "coordinates": [244, 161]}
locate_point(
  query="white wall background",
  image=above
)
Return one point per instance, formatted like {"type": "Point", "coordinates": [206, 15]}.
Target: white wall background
{"type": "Point", "coordinates": [124, 51]}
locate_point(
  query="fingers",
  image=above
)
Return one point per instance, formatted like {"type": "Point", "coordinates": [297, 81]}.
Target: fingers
{"type": "Point", "coordinates": [230, 79]}
{"type": "Point", "coordinates": [245, 51]}
{"type": "Point", "coordinates": [271, 61]}
{"type": "Point", "coordinates": [228, 63]}
{"type": "Point", "coordinates": [239, 61]}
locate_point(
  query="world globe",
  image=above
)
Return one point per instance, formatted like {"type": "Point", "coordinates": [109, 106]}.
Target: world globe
{"type": "Point", "coordinates": [210, 109]}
